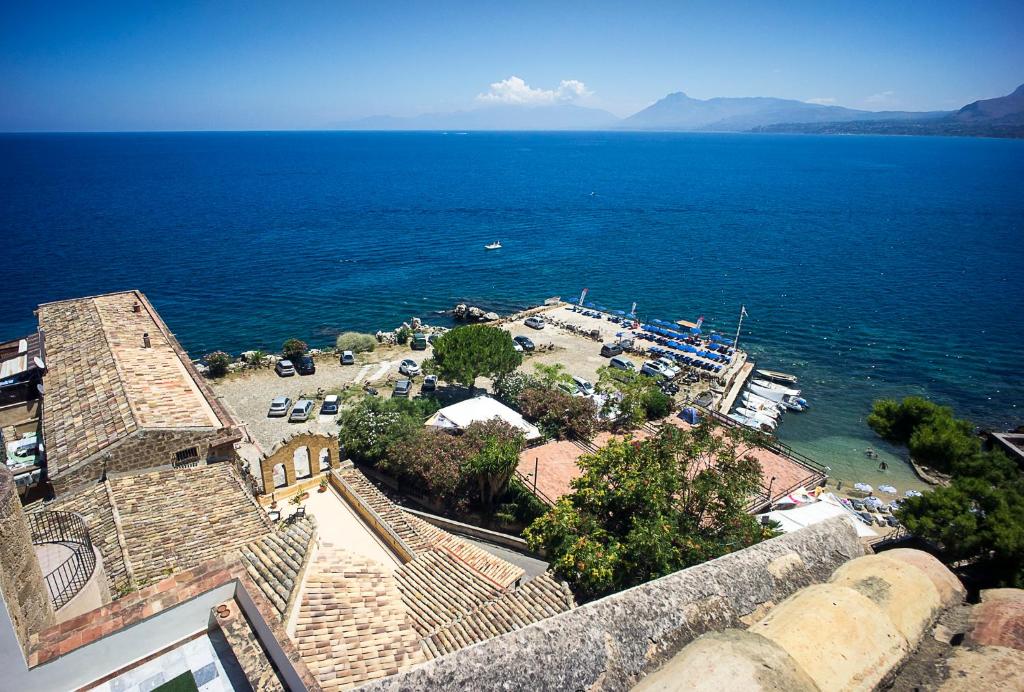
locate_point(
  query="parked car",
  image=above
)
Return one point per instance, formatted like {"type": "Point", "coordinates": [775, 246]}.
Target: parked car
{"type": "Point", "coordinates": [279, 406]}
{"type": "Point", "coordinates": [609, 350]}
{"type": "Point", "coordinates": [402, 388]}
{"type": "Point", "coordinates": [517, 347]}
{"type": "Point", "coordinates": [583, 386]}
{"type": "Point", "coordinates": [671, 369]}
{"type": "Point", "coordinates": [419, 341]}
{"type": "Point", "coordinates": [284, 368]}
{"type": "Point", "coordinates": [653, 368]}
{"type": "Point", "coordinates": [330, 405]}
{"type": "Point", "coordinates": [621, 363]}
{"type": "Point", "coordinates": [429, 383]}
{"type": "Point", "coordinates": [525, 342]}
{"type": "Point", "coordinates": [305, 366]}
{"type": "Point", "coordinates": [409, 367]}
{"type": "Point", "coordinates": [534, 322]}
{"type": "Point", "coordinates": [303, 409]}
{"type": "Point", "coordinates": [348, 358]}
{"type": "Point", "coordinates": [892, 521]}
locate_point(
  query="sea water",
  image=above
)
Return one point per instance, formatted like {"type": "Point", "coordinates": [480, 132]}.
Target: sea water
{"type": "Point", "coordinates": [869, 266]}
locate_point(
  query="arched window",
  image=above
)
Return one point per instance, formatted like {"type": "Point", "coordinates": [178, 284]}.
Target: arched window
{"type": "Point", "coordinates": [325, 459]}
{"type": "Point", "coordinates": [280, 480]}
{"type": "Point", "coordinates": [301, 461]}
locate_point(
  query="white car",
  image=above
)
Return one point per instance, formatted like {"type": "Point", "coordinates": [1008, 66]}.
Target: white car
{"type": "Point", "coordinates": [653, 368]}
{"type": "Point", "coordinates": [279, 406]}
{"type": "Point", "coordinates": [671, 369]}
{"type": "Point", "coordinates": [534, 322]}
{"type": "Point", "coordinates": [303, 407]}
{"type": "Point", "coordinates": [409, 367]}
{"type": "Point", "coordinates": [583, 386]}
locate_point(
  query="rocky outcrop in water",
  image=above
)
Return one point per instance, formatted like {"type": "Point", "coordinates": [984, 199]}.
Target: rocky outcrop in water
{"type": "Point", "coordinates": [471, 313]}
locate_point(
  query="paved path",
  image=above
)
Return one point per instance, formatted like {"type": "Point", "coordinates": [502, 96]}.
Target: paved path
{"type": "Point", "coordinates": [533, 566]}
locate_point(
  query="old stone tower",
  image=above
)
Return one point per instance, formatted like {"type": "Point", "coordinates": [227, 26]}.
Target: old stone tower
{"type": "Point", "coordinates": [21, 580]}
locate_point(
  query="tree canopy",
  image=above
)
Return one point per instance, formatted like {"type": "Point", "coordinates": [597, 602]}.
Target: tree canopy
{"type": "Point", "coordinates": [372, 425]}
{"type": "Point", "coordinates": [634, 397]}
{"type": "Point", "coordinates": [465, 353]}
{"type": "Point", "coordinates": [642, 510]}
{"type": "Point", "coordinates": [294, 348]}
{"type": "Point", "coordinates": [977, 520]}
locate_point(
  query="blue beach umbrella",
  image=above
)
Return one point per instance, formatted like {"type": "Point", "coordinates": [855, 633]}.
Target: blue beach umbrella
{"type": "Point", "coordinates": [589, 305]}
{"type": "Point", "coordinates": [619, 312]}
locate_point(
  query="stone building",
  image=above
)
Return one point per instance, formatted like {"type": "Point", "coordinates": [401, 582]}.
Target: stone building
{"type": "Point", "coordinates": [121, 395]}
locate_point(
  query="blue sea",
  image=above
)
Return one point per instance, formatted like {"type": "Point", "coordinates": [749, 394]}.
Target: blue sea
{"type": "Point", "coordinates": [869, 266]}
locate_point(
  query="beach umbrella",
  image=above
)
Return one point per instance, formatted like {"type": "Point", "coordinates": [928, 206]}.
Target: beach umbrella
{"type": "Point", "coordinates": [695, 330]}
{"type": "Point", "coordinates": [589, 305]}
{"type": "Point", "coordinates": [619, 312]}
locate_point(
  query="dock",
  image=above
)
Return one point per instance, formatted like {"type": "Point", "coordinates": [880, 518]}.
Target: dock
{"type": "Point", "coordinates": [735, 386]}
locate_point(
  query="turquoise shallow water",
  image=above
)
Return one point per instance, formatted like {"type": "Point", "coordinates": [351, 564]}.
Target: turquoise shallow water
{"type": "Point", "coordinates": [869, 266]}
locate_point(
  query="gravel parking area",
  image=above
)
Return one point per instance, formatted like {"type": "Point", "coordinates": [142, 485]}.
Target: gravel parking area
{"type": "Point", "coordinates": [248, 394]}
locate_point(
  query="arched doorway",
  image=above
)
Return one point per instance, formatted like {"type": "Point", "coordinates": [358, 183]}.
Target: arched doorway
{"type": "Point", "coordinates": [325, 459]}
{"type": "Point", "coordinates": [280, 480]}
{"type": "Point", "coordinates": [301, 463]}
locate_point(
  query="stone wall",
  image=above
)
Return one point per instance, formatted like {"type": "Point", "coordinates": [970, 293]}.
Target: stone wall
{"type": "Point", "coordinates": [284, 454]}
{"type": "Point", "coordinates": [612, 643]}
{"type": "Point", "coordinates": [21, 580]}
{"type": "Point", "coordinates": [141, 451]}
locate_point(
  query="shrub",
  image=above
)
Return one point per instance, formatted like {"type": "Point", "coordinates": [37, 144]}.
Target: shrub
{"type": "Point", "coordinates": [657, 404]}
{"type": "Point", "coordinates": [356, 342]}
{"type": "Point", "coordinates": [370, 427]}
{"type": "Point", "coordinates": [294, 348]}
{"type": "Point", "coordinates": [509, 386]}
{"type": "Point", "coordinates": [403, 334]}
{"type": "Point", "coordinates": [559, 414]}
{"type": "Point", "coordinates": [218, 363]}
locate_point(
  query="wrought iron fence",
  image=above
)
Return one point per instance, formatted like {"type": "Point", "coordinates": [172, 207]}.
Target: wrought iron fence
{"type": "Point", "coordinates": [69, 530]}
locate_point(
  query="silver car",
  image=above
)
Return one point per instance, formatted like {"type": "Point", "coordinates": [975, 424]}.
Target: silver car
{"type": "Point", "coordinates": [409, 367]}
{"type": "Point", "coordinates": [279, 407]}
{"type": "Point", "coordinates": [303, 408]}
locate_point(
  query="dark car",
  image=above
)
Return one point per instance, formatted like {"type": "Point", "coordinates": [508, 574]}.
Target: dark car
{"type": "Point", "coordinates": [402, 388]}
{"type": "Point", "coordinates": [304, 365]}
{"type": "Point", "coordinates": [429, 383]}
{"type": "Point", "coordinates": [609, 350]}
{"type": "Point", "coordinates": [525, 342]}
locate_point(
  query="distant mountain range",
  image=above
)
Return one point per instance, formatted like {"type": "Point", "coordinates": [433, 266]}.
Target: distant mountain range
{"type": "Point", "coordinates": [997, 117]}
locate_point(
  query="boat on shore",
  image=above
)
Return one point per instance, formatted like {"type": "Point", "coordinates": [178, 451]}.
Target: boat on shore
{"type": "Point", "coordinates": [776, 376]}
{"type": "Point", "coordinates": [496, 245]}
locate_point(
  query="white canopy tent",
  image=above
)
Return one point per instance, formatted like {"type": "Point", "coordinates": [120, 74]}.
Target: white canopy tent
{"type": "Point", "coordinates": [826, 507]}
{"type": "Point", "coordinates": [480, 409]}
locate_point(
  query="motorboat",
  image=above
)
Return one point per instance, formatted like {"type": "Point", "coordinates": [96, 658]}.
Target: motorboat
{"type": "Point", "coordinates": [496, 245]}
{"type": "Point", "coordinates": [762, 419]}
{"type": "Point", "coordinates": [759, 402]}
{"type": "Point", "coordinates": [776, 376]}
{"type": "Point", "coordinates": [748, 422]}
{"type": "Point", "coordinates": [791, 402]}
{"type": "Point", "coordinates": [771, 411]}
{"type": "Point", "coordinates": [776, 387]}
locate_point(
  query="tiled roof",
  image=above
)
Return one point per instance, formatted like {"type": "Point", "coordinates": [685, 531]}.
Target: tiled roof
{"type": "Point", "coordinates": [175, 519]}
{"type": "Point", "coordinates": [102, 383]}
{"type": "Point", "coordinates": [353, 625]}
{"type": "Point", "coordinates": [275, 561]}
{"type": "Point", "coordinates": [540, 598]}
{"type": "Point", "coordinates": [93, 503]}
{"type": "Point", "coordinates": [421, 536]}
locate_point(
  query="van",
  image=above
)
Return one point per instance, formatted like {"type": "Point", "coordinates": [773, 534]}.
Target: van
{"type": "Point", "coordinates": [303, 407]}
{"type": "Point", "coordinates": [621, 363]}
{"type": "Point", "coordinates": [347, 358]}
{"type": "Point", "coordinates": [419, 341]}
{"type": "Point", "coordinates": [609, 350]}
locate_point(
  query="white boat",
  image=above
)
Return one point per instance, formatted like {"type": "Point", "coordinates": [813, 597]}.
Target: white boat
{"type": "Point", "coordinates": [764, 392]}
{"type": "Point", "coordinates": [769, 409]}
{"type": "Point", "coordinates": [776, 387]}
{"type": "Point", "coordinates": [762, 419]}
{"type": "Point", "coordinates": [760, 403]}
{"type": "Point", "coordinates": [776, 376]}
{"type": "Point", "coordinates": [747, 421]}
{"type": "Point", "coordinates": [789, 401]}
{"type": "Point", "coordinates": [496, 245]}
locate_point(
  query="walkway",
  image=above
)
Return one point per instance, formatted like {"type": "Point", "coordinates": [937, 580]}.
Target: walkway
{"type": "Point", "coordinates": [339, 526]}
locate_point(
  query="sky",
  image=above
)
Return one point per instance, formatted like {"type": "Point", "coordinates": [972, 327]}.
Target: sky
{"type": "Point", "coordinates": [225, 65]}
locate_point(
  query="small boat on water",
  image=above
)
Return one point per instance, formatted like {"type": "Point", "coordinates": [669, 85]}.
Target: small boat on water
{"type": "Point", "coordinates": [748, 421]}
{"type": "Point", "coordinates": [762, 419]}
{"type": "Point", "coordinates": [776, 376]}
{"type": "Point", "coordinates": [759, 402]}
{"type": "Point", "coordinates": [791, 402]}
{"type": "Point", "coordinates": [496, 245]}
{"type": "Point", "coordinates": [767, 409]}
{"type": "Point", "coordinates": [776, 387]}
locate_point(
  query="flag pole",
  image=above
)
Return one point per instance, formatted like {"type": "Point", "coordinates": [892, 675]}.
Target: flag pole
{"type": "Point", "coordinates": [736, 341]}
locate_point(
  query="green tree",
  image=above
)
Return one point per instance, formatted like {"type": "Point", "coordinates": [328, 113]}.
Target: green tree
{"type": "Point", "coordinates": [403, 334]}
{"type": "Point", "coordinates": [217, 363]}
{"type": "Point", "coordinates": [497, 446]}
{"type": "Point", "coordinates": [559, 414]}
{"type": "Point", "coordinates": [374, 425]}
{"type": "Point", "coordinates": [895, 421]}
{"type": "Point", "coordinates": [466, 353]}
{"type": "Point", "coordinates": [552, 375]}
{"type": "Point", "coordinates": [294, 348]}
{"type": "Point", "coordinates": [356, 342]}
{"type": "Point", "coordinates": [509, 386]}
{"type": "Point", "coordinates": [642, 510]}
{"type": "Point", "coordinates": [930, 432]}
{"type": "Point", "coordinates": [635, 398]}
{"type": "Point", "coordinates": [256, 359]}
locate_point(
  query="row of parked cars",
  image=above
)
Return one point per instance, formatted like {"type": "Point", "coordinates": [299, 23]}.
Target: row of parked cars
{"type": "Point", "coordinates": [281, 406]}
{"type": "Point", "coordinates": [305, 365]}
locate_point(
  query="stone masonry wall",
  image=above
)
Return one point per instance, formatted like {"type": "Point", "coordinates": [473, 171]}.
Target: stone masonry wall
{"type": "Point", "coordinates": [611, 643]}
{"type": "Point", "coordinates": [143, 450]}
{"type": "Point", "coordinates": [284, 454]}
{"type": "Point", "coordinates": [21, 580]}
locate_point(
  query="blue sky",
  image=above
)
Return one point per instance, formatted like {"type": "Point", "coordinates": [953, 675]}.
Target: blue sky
{"type": "Point", "coordinates": [299, 65]}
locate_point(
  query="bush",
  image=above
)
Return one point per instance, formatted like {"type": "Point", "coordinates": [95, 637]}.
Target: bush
{"type": "Point", "coordinates": [509, 386]}
{"type": "Point", "coordinates": [559, 414]}
{"type": "Point", "coordinates": [657, 404]}
{"type": "Point", "coordinates": [402, 335]}
{"type": "Point", "coordinates": [930, 432]}
{"type": "Point", "coordinates": [294, 348]}
{"type": "Point", "coordinates": [372, 426]}
{"type": "Point", "coordinates": [356, 342]}
{"type": "Point", "coordinates": [217, 363]}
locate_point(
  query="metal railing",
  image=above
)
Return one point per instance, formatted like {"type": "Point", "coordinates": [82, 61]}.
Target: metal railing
{"type": "Point", "coordinates": [69, 530]}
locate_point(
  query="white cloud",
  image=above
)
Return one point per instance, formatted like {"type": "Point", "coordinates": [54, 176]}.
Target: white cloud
{"type": "Point", "coordinates": [515, 90]}
{"type": "Point", "coordinates": [880, 97]}
{"type": "Point", "coordinates": [823, 101]}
